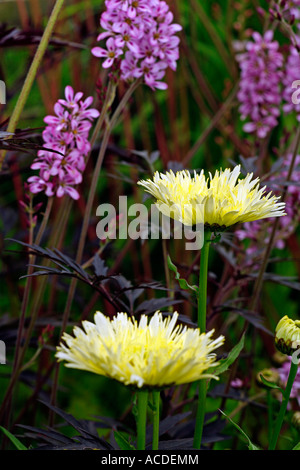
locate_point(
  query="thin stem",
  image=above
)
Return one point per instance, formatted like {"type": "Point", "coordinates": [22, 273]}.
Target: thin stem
{"type": "Point", "coordinates": [142, 402]}
{"type": "Point", "coordinates": [218, 43]}
{"type": "Point", "coordinates": [156, 402]}
{"type": "Point", "coordinates": [283, 407]}
{"type": "Point", "coordinates": [29, 279]}
{"type": "Point", "coordinates": [202, 298]}
{"type": "Point", "coordinates": [14, 119]}
{"type": "Point", "coordinates": [218, 115]}
{"type": "Point", "coordinates": [18, 350]}
{"type": "Point", "coordinates": [98, 167]}
{"type": "Point", "coordinates": [259, 280]}
{"type": "Point", "coordinates": [92, 191]}
{"type": "Point", "coordinates": [166, 267]}
{"type": "Point", "coordinates": [109, 98]}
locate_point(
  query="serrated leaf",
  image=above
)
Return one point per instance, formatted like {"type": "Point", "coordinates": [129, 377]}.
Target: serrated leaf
{"type": "Point", "coordinates": [251, 446]}
{"type": "Point", "coordinates": [18, 444]}
{"type": "Point", "coordinates": [99, 266]}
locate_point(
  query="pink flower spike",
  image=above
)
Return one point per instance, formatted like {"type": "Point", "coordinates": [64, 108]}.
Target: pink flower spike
{"type": "Point", "coordinates": [144, 29]}
{"type": "Point", "coordinates": [67, 133]}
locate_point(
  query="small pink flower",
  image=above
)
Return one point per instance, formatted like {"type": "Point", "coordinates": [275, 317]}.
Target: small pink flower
{"type": "Point", "coordinates": [71, 98]}
{"type": "Point", "coordinates": [111, 53]}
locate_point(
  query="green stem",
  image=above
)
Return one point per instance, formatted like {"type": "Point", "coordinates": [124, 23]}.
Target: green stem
{"type": "Point", "coordinates": [200, 414]}
{"type": "Point", "coordinates": [202, 299]}
{"type": "Point", "coordinates": [203, 282]}
{"type": "Point", "coordinates": [270, 413]}
{"type": "Point", "coordinates": [283, 407]}
{"type": "Point", "coordinates": [33, 71]}
{"type": "Point", "coordinates": [156, 401]}
{"type": "Point", "coordinates": [142, 402]}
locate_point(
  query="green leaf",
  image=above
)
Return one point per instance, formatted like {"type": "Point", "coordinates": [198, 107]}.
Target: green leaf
{"type": "Point", "coordinates": [182, 282]}
{"type": "Point", "coordinates": [251, 446]}
{"type": "Point", "coordinates": [297, 446]}
{"type": "Point", "coordinates": [232, 356]}
{"type": "Point", "coordinates": [122, 442]}
{"type": "Point", "coordinates": [13, 439]}
{"type": "Point", "coordinates": [270, 384]}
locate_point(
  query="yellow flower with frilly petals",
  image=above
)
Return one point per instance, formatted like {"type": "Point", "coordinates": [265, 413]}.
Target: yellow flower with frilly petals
{"type": "Point", "coordinates": [157, 353]}
{"type": "Point", "coordinates": [217, 202]}
{"type": "Point", "coordinates": [287, 335]}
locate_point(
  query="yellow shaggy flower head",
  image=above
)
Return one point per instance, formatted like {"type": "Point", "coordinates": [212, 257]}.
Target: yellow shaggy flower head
{"type": "Point", "coordinates": [157, 353]}
{"type": "Point", "coordinates": [287, 335]}
{"type": "Point", "coordinates": [217, 202]}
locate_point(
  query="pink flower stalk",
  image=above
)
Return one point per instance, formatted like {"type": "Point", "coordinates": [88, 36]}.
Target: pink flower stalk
{"type": "Point", "coordinates": [260, 94]}
{"type": "Point", "coordinates": [66, 134]}
{"type": "Point", "coordinates": [258, 232]}
{"type": "Point", "coordinates": [140, 33]}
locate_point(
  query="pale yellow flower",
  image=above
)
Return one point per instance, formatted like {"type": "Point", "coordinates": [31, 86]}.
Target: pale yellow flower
{"type": "Point", "coordinates": [218, 201]}
{"type": "Point", "coordinates": [287, 335]}
{"type": "Point", "coordinates": [157, 353]}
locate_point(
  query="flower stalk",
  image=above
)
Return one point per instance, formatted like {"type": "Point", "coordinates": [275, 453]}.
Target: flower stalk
{"type": "Point", "coordinates": [284, 404]}
{"type": "Point", "coordinates": [202, 300]}
{"type": "Point", "coordinates": [155, 436]}
{"type": "Point", "coordinates": [142, 403]}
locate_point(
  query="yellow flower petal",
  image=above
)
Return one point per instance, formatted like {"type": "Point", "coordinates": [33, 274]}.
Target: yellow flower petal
{"type": "Point", "coordinates": [157, 353]}
{"type": "Point", "coordinates": [226, 198]}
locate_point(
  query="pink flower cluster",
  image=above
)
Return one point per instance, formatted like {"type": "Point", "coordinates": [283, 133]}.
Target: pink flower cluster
{"type": "Point", "coordinates": [66, 145]}
{"type": "Point", "coordinates": [141, 35]}
{"type": "Point", "coordinates": [258, 232]}
{"type": "Point", "coordinates": [291, 98]}
{"type": "Point", "coordinates": [260, 92]}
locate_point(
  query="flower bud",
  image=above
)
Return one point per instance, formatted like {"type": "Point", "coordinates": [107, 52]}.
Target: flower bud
{"type": "Point", "coordinates": [296, 420]}
{"type": "Point", "coordinates": [271, 375]}
{"type": "Point", "coordinates": [287, 335]}
{"type": "Point", "coordinates": [278, 358]}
